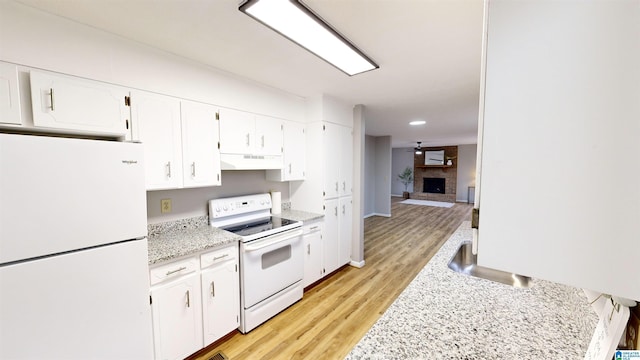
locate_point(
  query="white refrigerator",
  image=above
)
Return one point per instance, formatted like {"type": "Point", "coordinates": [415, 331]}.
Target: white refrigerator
{"type": "Point", "coordinates": [74, 281]}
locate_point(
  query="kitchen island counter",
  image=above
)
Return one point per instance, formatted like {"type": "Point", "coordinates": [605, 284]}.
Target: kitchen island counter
{"type": "Point", "coordinates": [443, 314]}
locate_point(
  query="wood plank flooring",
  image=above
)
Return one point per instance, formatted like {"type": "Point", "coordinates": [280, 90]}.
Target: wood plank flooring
{"type": "Point", "coordinates": [333, 316]}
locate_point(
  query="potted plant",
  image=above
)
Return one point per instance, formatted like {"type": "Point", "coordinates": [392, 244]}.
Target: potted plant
{"type": "Point", "coordinates": [406, 177]}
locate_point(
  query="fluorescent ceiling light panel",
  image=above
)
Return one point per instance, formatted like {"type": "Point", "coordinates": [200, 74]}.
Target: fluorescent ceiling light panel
{"type": "Point", "coordinates": [295, 21]}
{"type": "Point", "coordinates": [418, 122]}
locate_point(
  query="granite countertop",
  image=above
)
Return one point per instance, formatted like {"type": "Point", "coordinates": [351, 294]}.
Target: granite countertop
{"type": "Point", "coordinates": [447, 315]}
{"type": "Point", "coordinates": [299, 215]}
{"type": "Point", "coordinates": [170, 241]}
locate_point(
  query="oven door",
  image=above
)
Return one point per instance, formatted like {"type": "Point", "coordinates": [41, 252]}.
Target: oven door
{"type": "Point", "coordinates": [270, 265]}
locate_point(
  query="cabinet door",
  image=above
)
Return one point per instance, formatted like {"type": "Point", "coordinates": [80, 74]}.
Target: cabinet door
{"type": "Point", "coordinates": [237, 131]}
{"type": "Point", "coordinates": [332, 159]}
{"type": "Point", "coordinates": [312, 257]}
{"type": "Point", "coordinates": [331, 236]}
{"type": "Point", "coordinates": [9, 94]}
{"type": "Point", "coordinates": [200, 153]}
{"type": "Point", "coordinates": [220, 301]}
{"type": "Point", "coordinates": [560, 131]}
{"type": "Point", "coordinates": [177, 318]}
{"type": "Point", "coordinates": [65, 102]}
{"type": "Point", "coordinates": [294, 151]}
{"type": "Point", "coordinates": [345, 215]}
{"type": "Point", "coordinates": [268, 136]}
{"type": "Point", "coordinates": [157, 123]}
{"type": "Point", "coordinates": [346, 160]}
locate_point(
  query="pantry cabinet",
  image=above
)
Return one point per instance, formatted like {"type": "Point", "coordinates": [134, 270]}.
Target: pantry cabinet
{"type": "Point", "coordinates": [9, 95]}
{"type": "Point", "coordinates": [560, 123]}
{"type": "Point", "coordinates": [157, 126]}
{"type": "Point", "coordinates": [345, 218]}
{"type": "Point", "coordinates": [83, 106]}
{"type": "Point", "coordinates": [200, 137]}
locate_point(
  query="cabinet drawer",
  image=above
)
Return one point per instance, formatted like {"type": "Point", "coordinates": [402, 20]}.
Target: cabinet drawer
{"type": "Point", "coordinates": [218, 256]}
{"type": "Point", "coordinates": [173, 270]}
{"type": "Point", "coordinates": [312, 227]}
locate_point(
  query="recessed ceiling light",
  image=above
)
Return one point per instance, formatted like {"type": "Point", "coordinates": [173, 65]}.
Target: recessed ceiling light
{"type": "Point", "coordinates": [301, 25]}
{"type": "Point", "coordinates": [418, 122]}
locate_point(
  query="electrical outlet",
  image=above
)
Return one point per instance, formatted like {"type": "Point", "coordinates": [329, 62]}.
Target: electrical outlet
{"type": "Point", "coordinates": [165, 206]}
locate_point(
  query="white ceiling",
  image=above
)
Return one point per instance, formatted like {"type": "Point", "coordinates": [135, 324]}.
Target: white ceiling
{"type": "Point", "coordinates": [428, 52]}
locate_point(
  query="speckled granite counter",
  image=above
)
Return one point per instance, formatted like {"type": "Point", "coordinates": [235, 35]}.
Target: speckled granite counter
{"type": "Point", "coordinates": [172, 240]}
{"type": "Point", "coordinates": [446, 315]}
{"type": "Point", "coordinates": [299, 215]}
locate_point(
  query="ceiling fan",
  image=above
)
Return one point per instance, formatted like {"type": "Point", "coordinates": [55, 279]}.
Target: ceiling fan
{"type": "Point", "coordinates": [418, 149]}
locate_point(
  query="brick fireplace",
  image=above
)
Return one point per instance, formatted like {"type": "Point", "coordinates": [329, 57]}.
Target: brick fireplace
{"type": "Point", "coordinates": [440, 173]}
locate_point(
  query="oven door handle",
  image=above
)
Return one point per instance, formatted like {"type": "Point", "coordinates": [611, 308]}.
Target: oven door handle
{"type": "Point", "coordinates": [274, 240]}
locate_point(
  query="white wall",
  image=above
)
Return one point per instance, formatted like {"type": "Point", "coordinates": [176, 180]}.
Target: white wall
{"type": "Point", "coordinates": [383, 178]}
{"type": "Point", "coordinates": [37, 39]}
{"type": "Point", "coordinates": [369, 175]}
{"type": "Point", "coordinates": [188, 203]}
{"type": "Point", "coordinates": [466, 170]}
{"type": "Point", "coordinates": [401, 158]}
{"type": "Point", "coordinates": [377, 168]}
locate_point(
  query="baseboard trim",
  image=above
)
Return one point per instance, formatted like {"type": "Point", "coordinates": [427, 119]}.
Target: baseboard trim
{"type": "Point", "coordinates": [357, 264]}
{"type": "Point", "coordinates": [376, 214]}
{"type": "Point", "coordinates": [396, 195]}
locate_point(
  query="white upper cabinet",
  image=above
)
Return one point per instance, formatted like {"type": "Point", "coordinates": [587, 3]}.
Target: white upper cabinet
{"type": "Point", "coordinates": [9, 94]}
{"type": "Point", "coordinates": [237, 131]}
{"type": "Point", "coordinates": [294, 161]}
{"type": "Point", "coordinates": [157, 125]}
{"type": "Point", "coordinates": [200, 153]}
{"type": "Point", "coordinates": [559, 196]}
{"type": "Point", "coordinates": [268, 136]}
{"type": "Point", "coordinates": [82, 106]}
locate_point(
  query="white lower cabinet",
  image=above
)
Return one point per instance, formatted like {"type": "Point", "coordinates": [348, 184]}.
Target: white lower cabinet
{"type": "Point", "coordinates": [312, 241]}
{"type": "Point", "coordinates": [220, 293]}
{"type": "Point", "coordinates": [177, 316]}
{"type": "Point", "coordinates": [194, 302]}
{"type": "Point", "coordinates": [337, 233]}
{"type": "Point", "coordinates": [344, 229]}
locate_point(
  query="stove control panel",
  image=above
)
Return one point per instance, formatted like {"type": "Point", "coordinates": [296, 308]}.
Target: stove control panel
{"type": "Point", "coordinates": [239, 205]}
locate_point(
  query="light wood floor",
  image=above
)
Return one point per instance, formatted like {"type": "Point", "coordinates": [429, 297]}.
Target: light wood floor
{"type": "Point", "coordinates": [333, 316]}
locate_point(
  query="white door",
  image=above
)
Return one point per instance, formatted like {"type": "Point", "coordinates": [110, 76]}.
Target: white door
{"type": "Point", "coordinates": [237, 131]}
{"type": "Point", "coordinates": [220, 301]}
{"type": "Point", "coordinates": [346, 217]}
{"type": "Point", "coordinates": [559, 195]}
{"type": "Point", "coordinates": [332, 150]}
{"type": "Point", "coordinates": [177, 318]}
{"type": "Point", "coordinates": [86, 304]}
{"type": "Point", "coordinates": [65, 102]}
{"type": "Point", "coordinates": [346, 160]}
{"type": "Point", "coordinates": [9, 94]}
{"type": "Point", "coordinates": [157, 123]}
{"type": "Point", "coordinates": [200, 153]}
{"type": "Point", "coordinates": [268, 136]}
{"type": "Point", "coordinates": [294, 151]}
{"type": "Point", "coordinates": [331, 236]}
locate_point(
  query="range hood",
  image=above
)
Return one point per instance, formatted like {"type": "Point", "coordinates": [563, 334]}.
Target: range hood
{"type": "Point", "coordinates": [250, 162]}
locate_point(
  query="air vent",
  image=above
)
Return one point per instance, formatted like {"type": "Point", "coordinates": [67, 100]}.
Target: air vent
{"type": "Point", "coordinates": [219, 356]}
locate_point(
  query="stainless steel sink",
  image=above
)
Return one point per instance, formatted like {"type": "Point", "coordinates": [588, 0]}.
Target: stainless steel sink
{"type": "Point", "coordinates": [466, 263]}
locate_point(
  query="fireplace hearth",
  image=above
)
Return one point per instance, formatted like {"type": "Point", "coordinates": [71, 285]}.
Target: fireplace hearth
{"type": "Point", "coordinates": [433, 185]}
